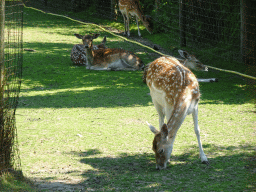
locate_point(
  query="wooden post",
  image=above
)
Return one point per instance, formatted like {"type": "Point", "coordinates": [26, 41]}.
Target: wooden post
{"type": "Point", "coordinates": [182, 20]}
{"type": "Point", "coordinates": [2, 20]}
{"type": "Point", "coordinates": [248, 32]}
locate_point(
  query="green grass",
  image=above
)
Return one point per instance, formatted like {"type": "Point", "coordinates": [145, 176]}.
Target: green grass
{"type": "Point", "coordinates": [14, 182]}
{"type": "Point", "coordinates": [89, 126]}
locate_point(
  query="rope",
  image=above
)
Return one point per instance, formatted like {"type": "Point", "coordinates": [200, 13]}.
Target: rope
{"type": "Point", "coordinates": [135, 42]}
{"type": "Point", "coordinates": [235, 72]}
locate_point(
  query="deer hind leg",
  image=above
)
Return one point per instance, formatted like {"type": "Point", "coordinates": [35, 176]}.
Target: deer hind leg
{"type": "Point", "coordinates": [118, 65]}
{"type": "Point", "coordinates": [125, 24]}
{"type": "Point", "coordinates": [197, 131]}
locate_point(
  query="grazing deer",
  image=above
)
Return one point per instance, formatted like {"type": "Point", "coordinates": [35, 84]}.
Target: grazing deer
{"type": "Point", "coordinates": [110, 58]}
{"type": "Point", "coordinates": [133, 8]}
{"type": "Point", "coordinates": [189, 61]}
{"type": "Point", "coordinates": [78, 54]}
{"type": "Point", "coordinates": [175, 93]}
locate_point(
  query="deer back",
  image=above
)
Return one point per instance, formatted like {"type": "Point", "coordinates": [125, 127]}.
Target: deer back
{"type": "Point", "coordinates": [78, 55]}
{"type": "Point", "coordinates": [119, 57]}
{"type": "Point", "coordinates": [174, 80]}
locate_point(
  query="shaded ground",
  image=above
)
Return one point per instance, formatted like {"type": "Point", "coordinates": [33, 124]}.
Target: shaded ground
{"type": "Point", "coordinates": [60, 185]}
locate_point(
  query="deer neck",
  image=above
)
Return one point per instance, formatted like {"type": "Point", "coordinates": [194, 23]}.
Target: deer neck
{"type": "Point", "coordinates": [188, 64]}
{"type": "Point", "coordinates": [89, 57]}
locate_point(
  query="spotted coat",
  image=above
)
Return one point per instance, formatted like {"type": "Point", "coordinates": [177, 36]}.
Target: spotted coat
{"type": "Point", "coordinates": [133, 8]}
{"type": "Point", "coordinates": [175, 93]}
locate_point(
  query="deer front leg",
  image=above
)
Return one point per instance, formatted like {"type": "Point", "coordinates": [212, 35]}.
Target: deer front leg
{"type": "Point", "coordinates": [197, 131]}
{"type": "Point", "coordinates": [125, 23]}
{"type": "Point", "coordinates": [169, 153]}
{"type": "Point", "coordinates": [160, 112]}
{"type": "Point", "coordinates": [138, 27]}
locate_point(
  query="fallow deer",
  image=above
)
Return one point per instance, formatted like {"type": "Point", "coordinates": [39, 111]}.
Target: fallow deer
{"type": "Point", "coordinates": [78, 54]}
{"type": "Point", "coordinates": [189, 61]}
{"type": "Point", "coordinates": [175, 93]}
{"type": "Point", "coordinates": [133, 8]}
{"type": "Point", "coordinates": [110, 58]}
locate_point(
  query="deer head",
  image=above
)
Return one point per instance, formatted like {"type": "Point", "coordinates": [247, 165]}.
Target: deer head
{"type": "Point", "coordinates": [87, 38]}
{"type": "Point", "coordinates": [191, 62]}
{"type": "Point", "coordinates": [161, 146]}
{"type": "Point", "coordinates": [148, 23]}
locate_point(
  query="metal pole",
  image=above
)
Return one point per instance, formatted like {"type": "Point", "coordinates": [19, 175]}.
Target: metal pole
{"type": "Point", "coordinates": [182, 20]}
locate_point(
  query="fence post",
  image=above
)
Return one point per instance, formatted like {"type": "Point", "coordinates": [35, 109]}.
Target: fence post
{"type": "Point", "coordinates": [45, 2]}
{"type": "Point", "coordinates": [2, 20]}
{"type": "Point", "coordinates": [157, 3]}
{"type": "Point", "coordinates": [248, 32]}
{"type": "Point", "coordinates": [182, 20]}
{"type": "Point", "coordinates": [113, 7]}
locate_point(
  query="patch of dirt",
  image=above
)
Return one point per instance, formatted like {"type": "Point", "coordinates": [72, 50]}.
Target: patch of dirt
{"type": "Point", "coordinates": [143, 41]}
{"type": "Point", "coordinates": [60, 185]}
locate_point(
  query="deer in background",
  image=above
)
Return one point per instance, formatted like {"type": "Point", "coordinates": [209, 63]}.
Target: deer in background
{"type": "Point", "coordinates": [175, 93]}
{"type": "Point", "coordinates": [189, 61]}
{"type": "Point", "coordinates": [133, 8]}
{"type": "Point", "coordinates": [110, 58]}
{"type": "Point", "coordinates": [78, 54]}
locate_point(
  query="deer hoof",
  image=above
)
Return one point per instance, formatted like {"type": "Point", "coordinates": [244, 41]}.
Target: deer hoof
{"type": "Point", "coordinates": [206, 162]}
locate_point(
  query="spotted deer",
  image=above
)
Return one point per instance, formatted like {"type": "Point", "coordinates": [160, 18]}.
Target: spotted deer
{"type": "Point", "coordinates": [175, 93]}
{"type": "Point", "coordinates": [78, 54]}
{"type": "Point", "coordinates": [111, 58]}
{"type": "Point", "coordinates": [189, 61]}
{"type": "Point", "coordinates": [133, 8]}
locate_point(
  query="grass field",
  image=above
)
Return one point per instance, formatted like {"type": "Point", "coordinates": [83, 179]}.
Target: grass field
{"type": "Point", "coordinates": [87, 129]}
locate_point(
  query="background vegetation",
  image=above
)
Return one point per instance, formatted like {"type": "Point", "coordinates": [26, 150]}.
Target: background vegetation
{"type": "Point", "coordinates": [212, 29]}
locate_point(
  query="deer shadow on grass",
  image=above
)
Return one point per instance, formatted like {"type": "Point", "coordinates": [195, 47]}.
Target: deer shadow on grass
{"type": "Point", "coordinates": [137, 171]}
{"type": "Point", "coordinates": [229, 170]}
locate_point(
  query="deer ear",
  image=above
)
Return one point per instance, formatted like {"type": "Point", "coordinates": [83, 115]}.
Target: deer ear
{"type": "Point", "coordinates": [184, 54]}
{"type": "Point", "coordinates": [104, 40]}
{"type": "Point", "coordinates": [164, 131]}
{"type": "Point", "coordinates": [78, 36]}
{"type": "Point", "coordinates": [152, 128]}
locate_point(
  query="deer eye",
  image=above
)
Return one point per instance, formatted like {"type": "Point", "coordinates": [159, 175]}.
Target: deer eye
{"type": "Point", "coordinates": [160, 151]}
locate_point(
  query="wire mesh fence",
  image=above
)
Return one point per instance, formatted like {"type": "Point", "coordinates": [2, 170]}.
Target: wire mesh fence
{"type": "Point", "coordinates": [10, 80]}
{"type": "Point", "coordinates": [219, 31]}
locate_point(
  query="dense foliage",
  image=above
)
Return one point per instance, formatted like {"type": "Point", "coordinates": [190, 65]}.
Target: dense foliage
{"type": "Point", "coordinates": [204, 20]}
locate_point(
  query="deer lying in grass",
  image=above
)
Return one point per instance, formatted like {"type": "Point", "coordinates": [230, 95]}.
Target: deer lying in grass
{"type": "Point", "coordinates": [110, 58]}
{"type": "Point", "coordinates": [189, 61]}
{"type": "Point", "coordinates": [78, 54]}
{"type": "Point", "coordinates": [175, 93]}
{"type": "Point", "coordinates": [133, 8]}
